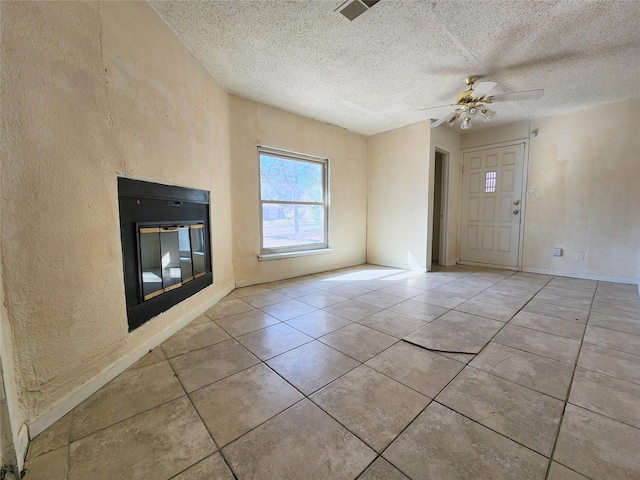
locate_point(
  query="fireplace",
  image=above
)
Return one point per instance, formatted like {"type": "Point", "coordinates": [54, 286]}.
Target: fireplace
{"type": "Point", "coordinates": [166, 246]}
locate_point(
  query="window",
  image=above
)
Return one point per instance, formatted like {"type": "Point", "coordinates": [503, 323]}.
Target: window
{"type": "Point", "coordinates": [490, 182]}
{"type": "Point", "coordinates": [293, 201]}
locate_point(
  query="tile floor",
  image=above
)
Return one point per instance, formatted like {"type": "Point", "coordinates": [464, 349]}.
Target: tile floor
{"type": "Point", "coordinates": [375, 373]}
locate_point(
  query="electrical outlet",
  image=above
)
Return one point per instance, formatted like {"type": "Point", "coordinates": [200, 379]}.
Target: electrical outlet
{"type": "Point", "coordinates": [557, 252]}
{"type": "Point", "coordinates": [579, 255]}
{"type": "Point", "coordinates": [531, 192]}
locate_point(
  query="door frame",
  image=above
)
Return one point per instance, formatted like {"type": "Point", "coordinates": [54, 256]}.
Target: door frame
{"type": "Point", "coordinates": [523, 197]}
{"type": "Point", "coordinates": [444, 199]}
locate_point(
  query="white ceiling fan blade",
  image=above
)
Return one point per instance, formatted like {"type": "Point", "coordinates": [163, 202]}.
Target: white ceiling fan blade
{"type": "Point", "coordinates": [516, 96]}
{"type": "Point", "coordinates": [482, 88]}
{"type": "Point", "coordinates": [447, 118]}
{"type": "Point", "coordinates": [439, 106]}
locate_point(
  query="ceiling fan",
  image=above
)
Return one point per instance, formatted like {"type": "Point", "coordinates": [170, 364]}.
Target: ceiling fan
{"type": "Point", "coordinates": [472, 102]}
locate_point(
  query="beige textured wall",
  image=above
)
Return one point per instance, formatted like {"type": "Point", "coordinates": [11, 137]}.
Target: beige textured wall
{"type": "Point", "coordinates": [91, 91]}
{"type": "Point", "coordinates": [449, 141]}
{"type": "Point", "coordinates": [506, 133]}
{"type": "Point", "coordinates": [585, 168]}
{"type": "Point", "coordinates": [399, 166]}
{"type": "Point", "coordinates": [255, 124]}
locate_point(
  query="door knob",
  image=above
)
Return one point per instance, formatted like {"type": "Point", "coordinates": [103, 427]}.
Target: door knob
{"type": "Point", "coordinates": [517, 202]}
{"type": "Point", "coordinates": [515, 212]}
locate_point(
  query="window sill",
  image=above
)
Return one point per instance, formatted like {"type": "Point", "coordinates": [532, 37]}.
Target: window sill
{"type": "Point", "coordinates": [303, 253]}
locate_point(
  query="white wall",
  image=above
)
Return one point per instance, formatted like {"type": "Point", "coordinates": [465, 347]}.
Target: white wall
{"type": "Point", "coordinates": [398, 200]}
{"type": "Point", "coordinates": [89, 92]}
{"type": "Point", "coordinates": [254, 124]}
{"type": "Point", "coordinates": [585, 170]}
{"type": "Point", "coordinates": [491, 136]}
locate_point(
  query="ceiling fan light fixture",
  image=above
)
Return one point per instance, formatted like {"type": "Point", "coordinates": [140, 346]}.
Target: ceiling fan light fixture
{"type": "Point", "coordinates": [487, 114]}
{"type": "Point", "coordinates": [472, 102]}
{"type": "Point", "coordinates": [453, 118]}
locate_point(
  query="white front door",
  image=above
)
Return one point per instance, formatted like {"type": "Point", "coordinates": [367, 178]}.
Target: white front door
{"type": "Point", "coordinates": [491, 204]}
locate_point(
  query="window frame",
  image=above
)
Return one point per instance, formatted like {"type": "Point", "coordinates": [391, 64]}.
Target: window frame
{"type": "Point", "coordinates": [294, 250]}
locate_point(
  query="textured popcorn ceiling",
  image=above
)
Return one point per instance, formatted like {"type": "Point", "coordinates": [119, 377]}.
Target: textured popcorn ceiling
{"type": "Point", "coordinates": [374, 73]}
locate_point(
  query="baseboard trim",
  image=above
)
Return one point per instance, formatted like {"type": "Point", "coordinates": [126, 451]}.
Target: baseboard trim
{"type": "Point", "coordinates": [585, 276]}
{"type": "Point", "coordinates": [486, 265]}
{"type": "Point", "coordinates": [402, 266]}
{"type": "Point", "coordinates": [68, 403]}
{"type": "Point", "coordinates": [277, 278]}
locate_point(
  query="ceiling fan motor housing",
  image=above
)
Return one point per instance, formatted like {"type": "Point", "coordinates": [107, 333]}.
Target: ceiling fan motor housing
{"type": "Point", "coordinates": [466, 97]}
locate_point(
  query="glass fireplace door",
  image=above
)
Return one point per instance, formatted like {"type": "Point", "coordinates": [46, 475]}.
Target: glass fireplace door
{"type": "Point", "coordinates": [170, 257]}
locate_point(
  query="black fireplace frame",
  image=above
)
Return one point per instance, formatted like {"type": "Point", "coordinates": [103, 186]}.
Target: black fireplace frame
{"type": "Point", "coordinates": [146, 203]}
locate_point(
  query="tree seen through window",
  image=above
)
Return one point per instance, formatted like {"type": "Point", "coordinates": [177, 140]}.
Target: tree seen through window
{"type": "Point", "coordinates": [293, 199]}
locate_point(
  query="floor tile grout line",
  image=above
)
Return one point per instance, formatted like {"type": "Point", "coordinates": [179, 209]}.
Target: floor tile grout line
{"type": "Point", "coordinates": [476, 354]}
{"type": "Point", "coordinates": [370, 465]}
{"type": "Point", "coordinates": [608, 374]}
{"type": "Point", "coordinates": [218, 449]}
{"type": "Point", "coordinates": [603, 415]}
{"type": "Point", "coordinates": [282, 353]}
{"type": "Point", "coordinates": [493, 430]}
{"type": "Point", "coordinates": [613, 348]}
{"type": "Point", "coordinates": [125, 419]}
{"type": "Point", "coordinates": [69, 440]}
{"type": "Point", "coordinates": [226, 376]}
{"type": "Point", "coordinates": [319, 388]}
{"type": "Point", "coordinates": [566, 402]}
{"type": "Point", "coordinates": [378, 455]}
{"type": "Point", "coordinates": [568, 468]}
{"type": "Point", "coordinates": [313, 338]}
{"type": "Point", "coordinates": [398, 381]}
{"type": "Point", "coordinates": [508, 322]}
{"type": "Point", "coordinates": [600, 373]}
{"type": "Point", "coordinates": [167, 358]}
{"type": "Point", "coordinates": [467, 365]}
{"type": "Point", "coordinates": [308, 398]}
{"type": "Point", "coordinates": [305, 397]}
{"type": "Point", "coordinates": [68, 444]}
{"type": "Point", "coordinates": [515, 348]}
{"type": "Point", "coordinates": [518, 384]}
{"type": "Point", "coordinates": [433, 400]}
{"type": "Point", "coordinates": [68, 459]}
{"type": "Point", "coordinates": [616, 330]}
{"type": "Point", "coordinates": [532, 353]}
{"type": "Point", "coordinates": [549, 333]}
{"type": "Point", "coordinates": [202, 460]}
{"type": "Point", "coordinates": [623, 317]}
{"type": "Point", "coordinates": [344, 426]}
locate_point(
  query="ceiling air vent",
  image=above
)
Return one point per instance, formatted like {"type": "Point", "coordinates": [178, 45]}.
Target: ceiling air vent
{"type": "Point", "coordinates": [352, 9]}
